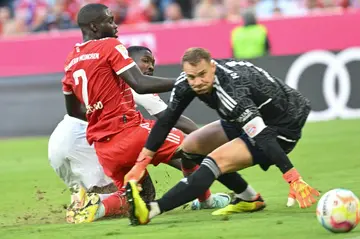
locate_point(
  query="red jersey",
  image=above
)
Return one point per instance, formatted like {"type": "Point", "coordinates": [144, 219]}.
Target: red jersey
{"type": "Point", "coordinates": [91, 73]}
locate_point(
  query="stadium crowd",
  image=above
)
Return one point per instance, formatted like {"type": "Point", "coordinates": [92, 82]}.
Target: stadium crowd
{"type": "Point", "coordinates": [21, 16]}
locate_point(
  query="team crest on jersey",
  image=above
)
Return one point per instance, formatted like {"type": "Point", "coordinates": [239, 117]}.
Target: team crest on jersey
{"type": "Point", "coordinates": [250, 130]}
{"type": "Point", "coordinates": [123, 51]}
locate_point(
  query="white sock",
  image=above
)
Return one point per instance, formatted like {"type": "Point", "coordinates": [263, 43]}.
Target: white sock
{"type": "Point", "coordinates": [100, 212]}
{"type": "Point", "coordinates": [249, 194]}
{"type": "Point", "coordinates": [209, 201]}
{"type": "Point", "coordinates": [154, 209]}
{"type": "Point", "coordinates": [104, 196]}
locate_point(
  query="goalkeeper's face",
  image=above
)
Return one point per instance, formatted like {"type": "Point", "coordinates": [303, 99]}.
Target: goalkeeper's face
{"type": "Point", "coordinates": [200, 76]}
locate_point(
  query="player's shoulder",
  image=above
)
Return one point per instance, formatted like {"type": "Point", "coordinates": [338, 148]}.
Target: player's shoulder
{"type": "Point", "coordinates": [110, 42]}
{"type": "Point", "coordinates": [231, 67]}
{"type": "Point", "coordinates": [181, 81]}
{"type": "Point", "coordinates": [181, 78]}
{"type": "Point", "coordinates": [228, 62]}
{"type": "Point", "coordinates": [221, 61]}
{"type": "Point", "coordinates": [224, 67]}
{"type": "Point", "coordinates": [70, 56]}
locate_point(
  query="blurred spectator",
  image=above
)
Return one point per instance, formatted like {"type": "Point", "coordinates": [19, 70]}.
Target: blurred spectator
{"type": "Point", "coordinates": [136, 12]}
{"type": "Point", "coordinates": [186, 6]}
{"type": "Point", "coordinates": [120, 10]}
{"type": "Point", "coordinates": [29, 14]}
{"type": "Point", "coordinates": [251, 39]}
{"type": "Point", "coordinates": [9, 5]}
{"type": "Point", "coordinates": [344, 3]}
{"type": "Point", "coordinates": [5, 17]}
{"type": "Point", "coordinates": [173, 12]}
{"type": "Point", "coordinates": [313, 6]}
{"type": "Point", "coordinates": [129, 11]}
{"type": "Point", "coordinates": [56, 19]}
{"type": "Point", "coordinates": [162, 4]}
{"type": "Point", "coordinates": [20, 16]}
{"type": "Point", "coordinates": [209, 9]}
{"type": "Point", "coordinates": [323, 6]}
{"type": "Point", "coordinates": [330, 5]}
{"type": "Point", "coordinates": [277, 12]}
{"type": "Point", "coordinates": [269, 8]}
{"type": "Point", "coordinates": [233, 10]}
{"type": "Point", "coordinates": [153, 12]}
{"type": "Point", "coordinates": [72, 7]}
{"type": "Point", "coordinates": [355, 3]}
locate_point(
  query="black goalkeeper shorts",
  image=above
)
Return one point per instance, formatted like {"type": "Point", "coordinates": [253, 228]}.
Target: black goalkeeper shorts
{"type": "Point", "coordinates": [232, 131]}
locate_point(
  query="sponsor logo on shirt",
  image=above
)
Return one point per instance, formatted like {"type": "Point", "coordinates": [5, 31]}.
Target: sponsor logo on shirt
{"type": "Point", "coordinates": [91, 108]}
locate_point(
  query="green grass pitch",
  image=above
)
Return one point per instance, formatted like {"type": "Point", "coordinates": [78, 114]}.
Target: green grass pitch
{"type": "Point", "coordinates": [33, 198]}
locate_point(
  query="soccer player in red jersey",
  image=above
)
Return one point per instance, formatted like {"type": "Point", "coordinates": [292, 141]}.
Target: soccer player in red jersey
{"type": "Point", "coordinates": [100, 74]}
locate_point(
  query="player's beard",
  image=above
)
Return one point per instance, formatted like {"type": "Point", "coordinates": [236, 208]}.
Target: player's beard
{"type": "Point", "coordinates": [109, 34]}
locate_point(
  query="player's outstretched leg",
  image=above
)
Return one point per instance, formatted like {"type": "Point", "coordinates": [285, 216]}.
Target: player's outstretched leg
{"type": "Point", "coordinates": [183, 192]}
{"type": "Point", "coordinates": [250, 200]}
{"type": "Point", "coordinates": [195, 148]}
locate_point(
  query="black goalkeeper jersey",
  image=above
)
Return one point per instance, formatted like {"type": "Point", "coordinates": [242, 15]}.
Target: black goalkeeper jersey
{"type": "Point", "coordinates": [242, 92]}
{"type": "Point", "coordinates": [260, 104]}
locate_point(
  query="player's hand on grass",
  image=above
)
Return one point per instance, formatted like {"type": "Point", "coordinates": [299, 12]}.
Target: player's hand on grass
{"type": "Point", "coordinates": [302, 192]}
{"type": "Point", "coordinates": [305, 195]}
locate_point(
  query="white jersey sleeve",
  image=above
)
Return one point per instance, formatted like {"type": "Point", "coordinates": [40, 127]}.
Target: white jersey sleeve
{"type": "Point", "coordinates": [151, 102]}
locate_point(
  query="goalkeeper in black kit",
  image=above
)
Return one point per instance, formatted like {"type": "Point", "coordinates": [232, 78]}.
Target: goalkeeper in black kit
{"type": "Point", "coordinates": [261, 122]}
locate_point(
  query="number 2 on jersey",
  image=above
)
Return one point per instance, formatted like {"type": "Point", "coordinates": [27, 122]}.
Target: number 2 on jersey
{"type": "Point", "coordinates": [81, 74]}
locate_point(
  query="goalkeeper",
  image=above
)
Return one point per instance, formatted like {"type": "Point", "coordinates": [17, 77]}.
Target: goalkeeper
{"type": "Point", "coordinates": [261, 122]}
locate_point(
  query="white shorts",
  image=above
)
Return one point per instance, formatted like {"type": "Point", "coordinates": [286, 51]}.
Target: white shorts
{"type": "Point", "coordinates": [71, 156]}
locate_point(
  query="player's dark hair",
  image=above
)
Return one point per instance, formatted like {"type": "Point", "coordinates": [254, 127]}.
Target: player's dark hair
{"type": "Point", "coordinates": [194, 55]}
{"type": "Point", "coordinates": [135, 49]}
{"type": "Point", "coordinates": [90, 13]}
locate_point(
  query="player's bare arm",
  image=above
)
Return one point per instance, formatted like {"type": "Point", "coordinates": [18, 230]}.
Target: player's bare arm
{"type": "Point", "coordinates": [74, 107]}
{"type": "Point", "coordinates": [144, 84]}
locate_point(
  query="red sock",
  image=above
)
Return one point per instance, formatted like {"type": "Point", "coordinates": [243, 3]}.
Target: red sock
{"type": "Point", "coordinates": [187, 172]}
{"type": "Point", "coordinates": [115, 205]}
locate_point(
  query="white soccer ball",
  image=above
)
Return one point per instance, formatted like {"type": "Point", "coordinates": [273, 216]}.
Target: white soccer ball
{"type": "Point", "coordinates": [338, 210]}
